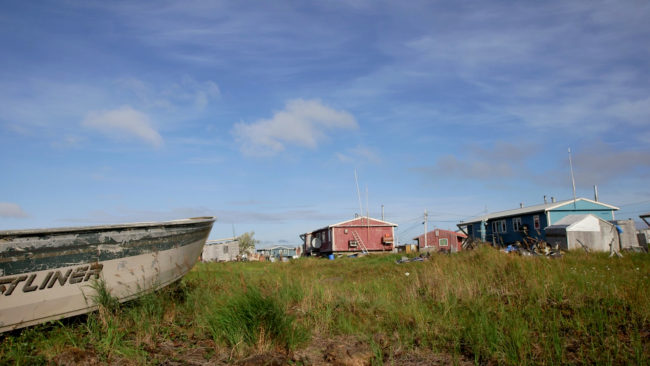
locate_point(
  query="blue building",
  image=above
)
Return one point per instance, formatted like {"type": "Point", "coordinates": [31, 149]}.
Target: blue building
{"type": "Point", "coordinates": [510, 226]}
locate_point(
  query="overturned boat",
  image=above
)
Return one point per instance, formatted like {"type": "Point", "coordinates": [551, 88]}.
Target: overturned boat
{"type": "Point", "coordinates": [48, 274]}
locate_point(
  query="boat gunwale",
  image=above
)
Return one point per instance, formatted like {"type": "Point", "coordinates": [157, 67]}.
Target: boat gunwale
{"type": "Point", "coordinates": [124, 226]}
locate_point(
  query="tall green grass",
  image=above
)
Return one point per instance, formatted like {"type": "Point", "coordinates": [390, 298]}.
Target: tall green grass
{"type": "Point", "coordinates": [484, 306]}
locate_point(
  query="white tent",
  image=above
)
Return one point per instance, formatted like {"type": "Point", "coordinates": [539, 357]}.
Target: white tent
{"type": "Point", "coordinates": [584, 231]}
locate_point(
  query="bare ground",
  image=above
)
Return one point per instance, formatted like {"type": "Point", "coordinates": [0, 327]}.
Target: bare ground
{"type": "Point", "coordinates": [338, 351]}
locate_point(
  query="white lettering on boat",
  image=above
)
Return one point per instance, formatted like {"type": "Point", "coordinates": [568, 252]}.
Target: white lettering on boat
{"type": "Point", "coordinates": [30, 282]}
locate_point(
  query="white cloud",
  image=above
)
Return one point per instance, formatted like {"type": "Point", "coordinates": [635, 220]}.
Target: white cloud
{"type": "Point", "coordinates": [124, 123]}
{"type": "Point", "coordinates": [302, 123]}
{"type": "Point", "coordinates": [12, 210]}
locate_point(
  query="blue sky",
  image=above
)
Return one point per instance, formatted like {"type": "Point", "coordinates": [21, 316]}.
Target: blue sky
{"type": "Point", "coordinates": [260, 112]}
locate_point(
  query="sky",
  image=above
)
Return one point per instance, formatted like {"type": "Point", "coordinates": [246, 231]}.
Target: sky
{"type": "Point", "coordinates": [261, 112]}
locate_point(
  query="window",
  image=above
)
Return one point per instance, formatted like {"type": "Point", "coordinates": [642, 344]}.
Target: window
{"type": "Point", "coordinates": [516, 224]}
{"type": "Point", "coordinates": [499, 226]}
{"type": "Point", "coordinates": [536, 222]}
{"type": "Point", "coordinates": [443, 242]}
{"type": "Point", "coordinates": [225, 249]}
{"type": "Point", "coordinates": [353, 243]}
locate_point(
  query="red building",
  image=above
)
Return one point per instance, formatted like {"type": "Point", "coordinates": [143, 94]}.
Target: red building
{"type": "Point", "coordinates": [441, 240]}
{"type": "Point", "coordinates": [361, 234]}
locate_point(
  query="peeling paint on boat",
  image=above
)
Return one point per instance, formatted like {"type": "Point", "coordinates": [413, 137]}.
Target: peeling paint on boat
{"type": "Point", "coordinates": [45, 274]}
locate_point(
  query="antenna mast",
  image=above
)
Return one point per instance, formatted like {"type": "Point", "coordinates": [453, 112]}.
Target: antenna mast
{"type": "Point", "coordinates": [356, 180]}
{"type": "Point", "coordinates": [573, 181]}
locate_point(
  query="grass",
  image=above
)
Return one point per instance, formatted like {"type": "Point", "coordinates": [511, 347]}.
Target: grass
{"type": "Point", "coordinates": [481, 306]}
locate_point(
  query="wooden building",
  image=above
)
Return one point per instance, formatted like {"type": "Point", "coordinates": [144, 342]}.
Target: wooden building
{"type": "Point", "coordinates": [441, 241]}
{"type": "Point", "coordinates": [221, 250]}
{"type": "Point", "coordinates": [513, 225]}
{"type": "Point", "coordinates": [361, 234]}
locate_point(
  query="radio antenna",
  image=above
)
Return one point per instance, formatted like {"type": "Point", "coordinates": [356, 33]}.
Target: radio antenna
{"type": "Point", "coordinates": [356, 180]}
{"type": "Point", "coordinates": [573, 181]}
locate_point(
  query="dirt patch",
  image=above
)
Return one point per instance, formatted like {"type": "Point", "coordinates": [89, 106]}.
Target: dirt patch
{"type": "Point", "coordinates": [338, 351]}
{"type": "Point", "coordinates": [265, 359]}
{"type": "Point", "coordinates": [350, 351]}
{"type": "Point", "coordinates": [74, 356]}
{"type": "Point", "coordinates": [421, 358]}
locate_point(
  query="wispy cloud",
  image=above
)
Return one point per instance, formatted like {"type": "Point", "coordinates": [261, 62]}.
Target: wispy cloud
{"type": "Point", "coordinates": [124, 123]}
{"type": "Point", "coordinates": [359, 154]}
{"type": "Point", "coordinates": [12, 210]}
{"type": "Point", "coordinates": [303, 123]}
{"type": "Point", "coordinates": [186, 91]}
{"type": "Point", "coordinates": [123, 215]}
{"type": "Point", "coordinates": [505, 160]}
{"type": "Point", "coordinates": [602, 163]}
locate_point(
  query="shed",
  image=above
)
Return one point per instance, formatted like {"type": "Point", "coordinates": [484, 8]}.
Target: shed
{"type": "Point", "coordinates": [361, 234]}
{"type": "Point", "coordinates": [441, 240]}
{"type": "Point", "coordinates": [510, 226]}
{"type": "Point", "coordinates": [220, 250]}
{"type": "Point", "coordinates": [583, 231]}
{"type": "Point", "coordinates": [627, 233]}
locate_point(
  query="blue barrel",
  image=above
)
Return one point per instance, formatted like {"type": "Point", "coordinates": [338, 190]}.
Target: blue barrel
{"type": "Point", "coordinates": [331, 257]}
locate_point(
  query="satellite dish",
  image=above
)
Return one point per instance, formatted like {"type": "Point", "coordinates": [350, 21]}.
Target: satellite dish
{"type": "Point", "coordinates": [315, 242]}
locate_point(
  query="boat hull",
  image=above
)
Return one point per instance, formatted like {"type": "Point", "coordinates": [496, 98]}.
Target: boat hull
{"type": "Point", "coordinates": [52, 274]}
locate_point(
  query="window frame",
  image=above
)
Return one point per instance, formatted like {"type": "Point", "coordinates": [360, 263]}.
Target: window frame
{"type": "Point", "coordinates": [516, 224]}
{"type": "Point", "coordinates": [441, 240]}
{"type": "Point", "coordinates": [501, 225]}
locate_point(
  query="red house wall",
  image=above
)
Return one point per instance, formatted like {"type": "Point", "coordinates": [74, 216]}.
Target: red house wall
{"type": "Point", "coordinates": [372, 234]}
{"type": "Point", "coordinates": [453, 238]}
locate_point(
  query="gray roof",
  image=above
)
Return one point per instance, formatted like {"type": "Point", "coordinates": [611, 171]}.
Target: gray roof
{"type": "Point", "coordinates": [530, 209]}
{"type": "Point", "coordinates": [570, 220]}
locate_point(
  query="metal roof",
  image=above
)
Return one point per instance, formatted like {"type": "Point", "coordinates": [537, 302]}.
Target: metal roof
{"type": "Point", "coordinates": [530, 209]}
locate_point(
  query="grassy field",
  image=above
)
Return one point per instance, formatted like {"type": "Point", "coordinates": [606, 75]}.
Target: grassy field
{"type": "Point", "coordinates": [482, 307]}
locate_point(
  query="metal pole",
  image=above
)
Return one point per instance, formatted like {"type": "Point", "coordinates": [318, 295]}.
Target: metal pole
{"type": "Point", "coordinates": [573, 181]}
{"type": "Point", "coordinates": [356, 180]}
{"type": "Point", "coordinates": [425, 228]}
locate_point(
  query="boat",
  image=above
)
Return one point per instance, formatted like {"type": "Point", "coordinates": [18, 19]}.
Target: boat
{"type": "Point", "coordinates": [48, 274]}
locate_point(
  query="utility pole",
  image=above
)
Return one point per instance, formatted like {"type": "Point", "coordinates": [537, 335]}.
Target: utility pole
{"type": "Point", "coordinates": [426, 217]}
{"type": "Point", "coordinates": [382, 212]}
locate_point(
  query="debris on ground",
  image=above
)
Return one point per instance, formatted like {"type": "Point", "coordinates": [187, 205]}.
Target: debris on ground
{"type": "Point", "coordinates": [421, 258]}
{"type": "Point", "coordinates": [533, 247]}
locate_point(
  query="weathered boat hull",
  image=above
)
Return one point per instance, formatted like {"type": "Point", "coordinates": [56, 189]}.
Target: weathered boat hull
{"type": "Point", "coordinates": [51, 274]}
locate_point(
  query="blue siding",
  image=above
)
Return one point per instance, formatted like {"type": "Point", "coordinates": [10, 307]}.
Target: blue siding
{"type": "Point", "coordinates": [581, 207]}
{"type": "Point", "coordinates": [558, 215]}
{"type": "Point", "coordinates": [511, 236]}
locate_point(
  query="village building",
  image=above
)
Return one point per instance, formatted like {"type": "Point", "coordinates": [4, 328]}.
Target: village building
{"type": "Point", "coordinates": [220, 250]}
{"type": "Point", "coordinates": [279, 252]}
{"type": "Point", "coordinates": [358, 235]}
{"type": "Point", "coordinates": [510, 226]}
{"type": "Point", "coordinates": [439, 240]}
